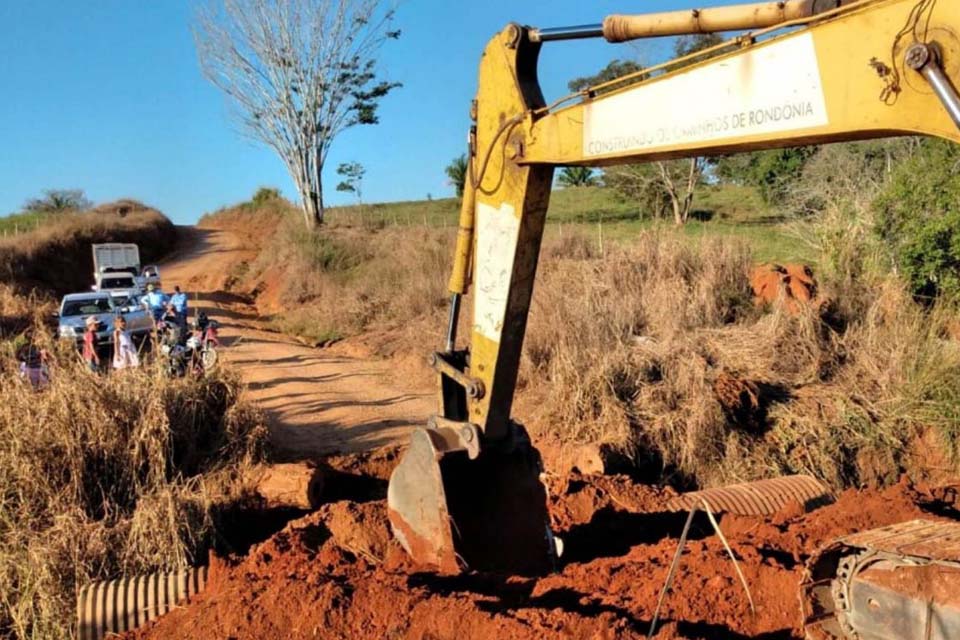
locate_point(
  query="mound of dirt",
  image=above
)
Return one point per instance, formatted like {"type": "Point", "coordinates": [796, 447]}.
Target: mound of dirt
{"type": "Point", "coordinates": [795, 282]}
{"type": "Point", "coordinates": [335, 574]}
{"type": "Point", "coordinates": [123, 207]}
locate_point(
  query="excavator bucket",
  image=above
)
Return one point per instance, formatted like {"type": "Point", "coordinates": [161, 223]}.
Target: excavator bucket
{"type": "Point", "coordinates": [486, 513]}
{"type": "Point", "coordinates": [900, 582]}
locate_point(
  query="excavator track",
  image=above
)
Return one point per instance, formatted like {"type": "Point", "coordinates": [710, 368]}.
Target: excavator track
{"type": "Point", "coordinates": [897, 582]}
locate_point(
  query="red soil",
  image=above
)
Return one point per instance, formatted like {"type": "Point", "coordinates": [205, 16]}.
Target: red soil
{"type": "Point", "coordinates": [337, 574]}
{"type": "Point", "coordinates": [794, 282]}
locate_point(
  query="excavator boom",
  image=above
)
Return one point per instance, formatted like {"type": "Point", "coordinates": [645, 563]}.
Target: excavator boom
{"type": "Point", "coordinates": [466, 493]}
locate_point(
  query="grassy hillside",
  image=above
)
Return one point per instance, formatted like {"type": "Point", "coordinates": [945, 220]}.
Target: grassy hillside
{"type": "Point", "coordinates": [106, 476]}
{"type": "Point", "coordinates": [18, 223]}
{"type": "Point", "coordinates": [652, 345]}
{"type": "Point", "coordinates": [720, 211]}
{"type": "Point", "coordinates": [56, 258]}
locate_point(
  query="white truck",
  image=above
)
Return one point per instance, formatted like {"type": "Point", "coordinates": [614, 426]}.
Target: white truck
{"type": "Point", "coordinates": [116, 261]}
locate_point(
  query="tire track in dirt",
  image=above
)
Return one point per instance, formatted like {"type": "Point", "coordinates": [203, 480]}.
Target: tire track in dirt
{"type": "Point", "coordinates": [316, 403]}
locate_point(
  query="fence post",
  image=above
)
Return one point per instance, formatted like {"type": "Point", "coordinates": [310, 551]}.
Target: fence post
{"type": "Point", "coordinates": [600, 235]}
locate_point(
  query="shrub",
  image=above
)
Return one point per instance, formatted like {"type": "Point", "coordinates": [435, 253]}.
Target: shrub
{"type": "Point", "coordinates": [58, 201]}
{"type": "Point", "coordinates": [264, 195]}
{"type": "Point", "coordinates": [919, 219]}
{"type": "Point", "coordinates": [341, 282]}
{"type": "Point", "coordinates": [589, 316]}
{"type": "Point", "coordinates": [656, 348]}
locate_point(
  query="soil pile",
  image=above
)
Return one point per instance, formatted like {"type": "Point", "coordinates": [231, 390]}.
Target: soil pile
{"type": "Point", "coordinates": [795, 282]}
{"type": "Point", "coordinates": [337, 574]}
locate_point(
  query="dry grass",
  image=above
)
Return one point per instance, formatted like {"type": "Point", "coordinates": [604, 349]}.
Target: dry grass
{"type": "Point", "coordinates": [18, 312]}
{"type": "Point", "coordinates": [344, 281]}
{"type": "Point", "coordinates": [594, 318]}
{"type": "Point", "coordinates": [656, 348]}
{"type": "Point", "coordinates": [105, 476]}
{"type": "Point", "coordinates": [57, 258]}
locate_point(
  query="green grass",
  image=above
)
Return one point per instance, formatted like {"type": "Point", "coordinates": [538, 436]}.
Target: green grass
{"type": "Point", "coordinates": [434, 213]}
{"type": "Point", "coordinates": [726, 211]}
{"type": "Point", "coordinates": [17, 223]}
{"type": "Point", "coordinates": [768, 242]}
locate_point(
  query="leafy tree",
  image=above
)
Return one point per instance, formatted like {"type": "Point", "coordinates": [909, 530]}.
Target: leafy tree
{"type": "Point", "coordinates": [58, 201]}
{"type": "Point", "coordinates": [832, 202]}
{"type": "Point", "coordinates": [298, 73]}
{"type": "Point", "coordinates": [686, 45]}
{"type": "Point", "coordinates": [673, 182]}
{"type": "Point", "coordinates": [577, 177]}
{"type": "Point", "coordinates": [918, 217]}
{"type": "Point", "coordinates": [774, 172]}
{"type": "Point", "coordinates": [642, 185]}
{"type": "Point", "coordinates": [352, 174]}
{"type": "Point", "coordinates": [457, 173]}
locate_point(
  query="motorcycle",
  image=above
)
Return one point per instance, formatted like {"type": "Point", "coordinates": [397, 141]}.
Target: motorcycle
{"type": "Point", "coordinates": [204, 341]}
{"type": "Point", "coordinates": [195, 353]}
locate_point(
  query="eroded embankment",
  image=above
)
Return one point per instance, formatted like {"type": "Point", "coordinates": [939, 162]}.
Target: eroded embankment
{"type": "Point", "coordinates": [336, 573]}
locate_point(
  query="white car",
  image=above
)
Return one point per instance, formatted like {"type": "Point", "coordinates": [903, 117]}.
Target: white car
{"type": "Point", "coordinates": [75, 308]}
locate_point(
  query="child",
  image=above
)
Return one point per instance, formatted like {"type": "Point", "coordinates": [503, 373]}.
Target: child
{"type": "Point", "coordinates": [90, 345]}
{"type": "Point", "coordinates": [124, 351]}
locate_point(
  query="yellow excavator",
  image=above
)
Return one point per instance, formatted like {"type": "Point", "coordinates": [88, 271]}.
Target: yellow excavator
{"type": "Point", "coordinates": [466, 493]}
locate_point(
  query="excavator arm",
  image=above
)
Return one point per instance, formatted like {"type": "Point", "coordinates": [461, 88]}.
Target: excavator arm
{"type": "Point", "coordinates": [466, 492]}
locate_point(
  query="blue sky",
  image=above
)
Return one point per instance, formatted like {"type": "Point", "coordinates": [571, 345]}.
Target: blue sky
{"type": "Point", "coordinates": [107, 96]}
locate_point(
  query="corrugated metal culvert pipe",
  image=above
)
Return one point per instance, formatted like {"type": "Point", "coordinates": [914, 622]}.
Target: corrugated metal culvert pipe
{"type": "Point", "coordinates": [123, 605]}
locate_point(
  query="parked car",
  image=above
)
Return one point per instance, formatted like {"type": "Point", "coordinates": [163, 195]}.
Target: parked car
{"type": "Point", "coordinates": [75, 308]}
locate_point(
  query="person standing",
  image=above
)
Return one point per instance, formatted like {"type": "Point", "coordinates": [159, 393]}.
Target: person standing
{"type": "Point", "coordinates": [179, 301]}
{"type": "Point", "coordinates": [124, 351]}
{"type": "Point", "coordinates": [156, 301]}
{"type": "Point", "coordinates": [89, 353]}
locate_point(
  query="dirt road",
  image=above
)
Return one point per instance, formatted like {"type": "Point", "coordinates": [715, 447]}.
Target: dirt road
{"type": "Point", "coordinates": [317, 403]}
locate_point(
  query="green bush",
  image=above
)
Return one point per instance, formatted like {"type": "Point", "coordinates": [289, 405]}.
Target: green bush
{"type": "Point", "coordinates": [918, 217]}
{"type": "Point", "coordinates": [265, 195]}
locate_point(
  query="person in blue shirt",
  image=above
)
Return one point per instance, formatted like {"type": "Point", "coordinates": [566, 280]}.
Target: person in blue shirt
{"type": "Point", "coordinates": [179, 302]}
{"type": "Point", "coordinates": [156, 301]}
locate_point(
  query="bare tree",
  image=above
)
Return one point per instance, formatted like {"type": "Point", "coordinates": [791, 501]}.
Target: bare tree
{"type": "Point", "coordinates": [298, 73]}
{"type": "Point", "coordinates": [662, 183]}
